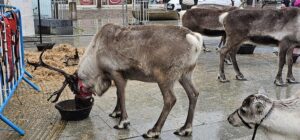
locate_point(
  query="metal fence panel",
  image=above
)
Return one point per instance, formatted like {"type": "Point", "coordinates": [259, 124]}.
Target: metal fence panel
{"type": "Point", "coordinates": [12, 61]}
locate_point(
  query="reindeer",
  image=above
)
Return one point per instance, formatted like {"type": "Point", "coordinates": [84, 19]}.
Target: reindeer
{"type": "Point", "coordinates": [204, 19]}
{"type": "Point", "coordinates": [278, 119]}
{"type": "Point", "coordinates": [149, 53]}
{"type": "Point", "coordinates": [146, 53]}
{"type": "Point", "coordinates": [278, 27]}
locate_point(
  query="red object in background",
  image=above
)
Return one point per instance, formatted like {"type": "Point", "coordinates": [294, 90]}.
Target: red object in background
{"type": "Point", "coordinates": [86, 2]}
{"type": "Point", "coordinates": [114, 2]}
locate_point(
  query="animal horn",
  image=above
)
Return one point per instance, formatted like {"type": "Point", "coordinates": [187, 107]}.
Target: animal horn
{"type": "Point", "coordinates": [69, 79]}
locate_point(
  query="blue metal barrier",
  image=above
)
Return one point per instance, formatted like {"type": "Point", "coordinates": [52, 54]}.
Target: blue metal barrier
{"type": "Point", "coordinates": [10, 79]}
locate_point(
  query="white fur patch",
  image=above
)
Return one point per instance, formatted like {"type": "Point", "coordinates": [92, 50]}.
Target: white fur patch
{"type": "Point", "coordinates": [181, 13]}
{"type": "Point", "coordinates": [114, 114]}
{"type": "Point", "coordinates": [121, 124]}
{"type": "Point", "coordinates": [196, 40]}
{"type": "Point", "coordinates": [282, 124]}
{"type": "Point", "coordinates": [222, 17]}
{"type": "Point", "coordinates": [183, 132]}
{"type": "Point", "coordinates": [153, 134]}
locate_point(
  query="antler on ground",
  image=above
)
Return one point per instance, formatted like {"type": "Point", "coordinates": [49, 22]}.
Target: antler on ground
{"type": "Point", "coordinates": [70, 80]}
{"type": "Point", "coordinates": [72, 61]}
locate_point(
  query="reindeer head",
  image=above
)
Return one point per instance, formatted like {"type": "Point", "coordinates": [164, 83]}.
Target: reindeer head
{"type": "Point", "coordinates": [253, 110]}
{"type": "Point", "coordinates": [71, 80]}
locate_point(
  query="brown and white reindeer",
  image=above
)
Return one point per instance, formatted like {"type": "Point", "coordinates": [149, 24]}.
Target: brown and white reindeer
{"type": "Point", "coordinates": [278, 119]}
{"type": "Point", "coordinates": [204, 19]}
{"type": "Point", "coordinates": [149, 53]}
{"type": "Point", "coordinates": [278, 27]}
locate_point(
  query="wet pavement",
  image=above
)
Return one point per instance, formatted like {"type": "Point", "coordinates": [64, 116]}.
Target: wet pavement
{"type": "Point", "coordinates": [144, 101]}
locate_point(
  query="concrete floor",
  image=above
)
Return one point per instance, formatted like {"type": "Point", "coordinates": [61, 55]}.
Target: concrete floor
{"type": "Point", "coordinates": [144, 101]}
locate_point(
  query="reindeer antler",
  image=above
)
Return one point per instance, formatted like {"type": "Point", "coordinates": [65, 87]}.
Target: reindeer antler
{"type": "Point", "coordinates": [75, 59]}
{"type": "Point", "coordinates": [58, 92]}
{"type": "Point", "coordinates": [70, 80]}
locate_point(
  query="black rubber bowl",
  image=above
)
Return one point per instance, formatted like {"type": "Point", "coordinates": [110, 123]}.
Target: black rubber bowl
{"type": "Point", "coordinates": [246, 49]}
{"type": "Point", "coordinates": [70, 111]}
{"type": "Point", "coordinates": [41, 47]}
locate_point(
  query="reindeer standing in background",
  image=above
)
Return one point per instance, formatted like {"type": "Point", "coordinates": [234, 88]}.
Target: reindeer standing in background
{"type": "Point", "coordinates": [278, 27]}
{"type": "Point", "coordinates": [204, 19]}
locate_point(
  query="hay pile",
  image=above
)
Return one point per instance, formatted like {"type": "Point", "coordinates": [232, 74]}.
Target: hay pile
{"type": "Point", "coordinates": [54, 57]}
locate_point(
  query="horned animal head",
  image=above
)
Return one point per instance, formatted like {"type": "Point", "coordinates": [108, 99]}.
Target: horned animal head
{"type": "Point", "coordinates": [253, 110]}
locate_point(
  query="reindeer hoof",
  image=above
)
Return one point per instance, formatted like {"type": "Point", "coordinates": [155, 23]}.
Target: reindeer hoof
{"type": "Point", "coordinates": [206, 50]}
{"type": "Point", "coordinates": [222, 80]}
{"type": "Point", "coordinates": [151, 134]}
{"type": "Point", "coordinates": [183, 132]}
{"type": "Point", "coordinates": [115, 114]}
{"type": "Point", "coordinates": [276, 53]}
{"type": "Point", "coordinates": [292, 81]}
{"type": "Point", "coordinates": [278, 82]}
{"type": "Point", "coordinates": [240, 77]}
{"type": "Point", "coordinates": [122, 125]}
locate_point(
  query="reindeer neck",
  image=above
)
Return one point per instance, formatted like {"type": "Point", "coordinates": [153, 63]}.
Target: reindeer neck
{"type": "Point", "coordinates": [282, 122]}
{"type": "Point", "coordinates": [87, 68]}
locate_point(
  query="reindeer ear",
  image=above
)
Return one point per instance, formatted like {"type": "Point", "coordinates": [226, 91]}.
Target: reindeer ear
{"type": "Point", "coordinates": [259, 107]}
{"type": "Point", "coordinates": [262, 91]}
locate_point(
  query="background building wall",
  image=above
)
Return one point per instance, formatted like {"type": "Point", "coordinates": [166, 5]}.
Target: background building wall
{"type": "Point", "coordinates": [25, 7]}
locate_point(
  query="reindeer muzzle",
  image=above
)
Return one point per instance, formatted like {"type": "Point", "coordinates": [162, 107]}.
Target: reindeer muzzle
{"type": "Point", "coordinates": [84, 92]}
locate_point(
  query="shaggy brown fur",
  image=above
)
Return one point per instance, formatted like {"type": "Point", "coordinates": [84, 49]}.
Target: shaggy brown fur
{"type": "Point", "coordinates": [279, 27]}
{"type": "Point", "coordinates": [150, 53]}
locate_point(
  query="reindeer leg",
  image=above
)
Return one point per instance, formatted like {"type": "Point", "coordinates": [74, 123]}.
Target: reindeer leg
{"type": "Point", "coordinates": [227, 59]}
{"type": "Point", "coordinates": [120, 84]}
{"type": "Point", "coordinates": [290, 78]}
{"type": "Point", "coordinates": [239, 75]}
{"type": "Point", "coordinates": [221, 77]}
{"type": "Point", "coordinates": [221, 42]}
{"type": "Point", "coordinates": [192, 94]}
{"type": "Point", "coordinates": [169, 101]}
{"type": "Point", "coordinates": [117, 111]}
{"type": "Point", "coordinates": [283, 47]}
{"type": "Point", "coordinates": [205, 49]}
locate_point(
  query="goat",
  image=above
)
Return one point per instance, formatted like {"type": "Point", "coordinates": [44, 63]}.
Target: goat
{"type": "Point", "coordinates": [278, 119]}
{"type": "Point", "coordinates": [279, 27]}
{"type": "Point", "coordinates": [150, 53]}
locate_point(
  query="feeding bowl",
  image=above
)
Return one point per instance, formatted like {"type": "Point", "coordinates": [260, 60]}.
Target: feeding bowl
{"type": "Point", "coordinates": [43, 46]}
{"type": "Point", "coordinates": [246, 49]}
{"type": "Point", "coordinates": [70, 110]}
